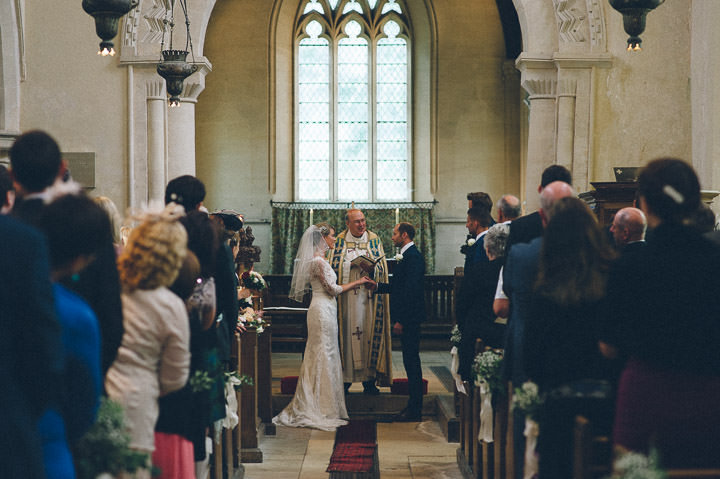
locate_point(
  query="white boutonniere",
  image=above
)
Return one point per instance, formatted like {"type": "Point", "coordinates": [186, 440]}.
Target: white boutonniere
{"type": "Point", "coordinates": [398, 257]}
{"type": "Point", "coordinates": [471, 241]}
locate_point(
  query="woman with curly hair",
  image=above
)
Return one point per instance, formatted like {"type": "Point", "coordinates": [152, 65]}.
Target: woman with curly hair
{"type": "Point", "coordinates": [154, 357]}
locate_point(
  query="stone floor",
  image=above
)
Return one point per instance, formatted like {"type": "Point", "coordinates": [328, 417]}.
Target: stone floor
{"type": "Point", "coordinates": [406, 450]}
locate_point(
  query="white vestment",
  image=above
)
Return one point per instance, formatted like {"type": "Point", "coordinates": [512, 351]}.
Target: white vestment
{"type": "Point", "coordinates": [357, 314]}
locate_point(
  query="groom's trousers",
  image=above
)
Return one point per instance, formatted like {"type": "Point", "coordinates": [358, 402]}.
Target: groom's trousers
{"type": "Point", "coordinates": [410, 341]}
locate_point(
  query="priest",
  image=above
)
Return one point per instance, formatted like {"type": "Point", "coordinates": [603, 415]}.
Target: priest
{"type": "Point", "coordinates": [363, 318]}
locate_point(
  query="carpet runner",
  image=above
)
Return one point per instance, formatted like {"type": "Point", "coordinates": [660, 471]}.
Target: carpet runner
{"type": "Point", "coordinates": [355, 452]}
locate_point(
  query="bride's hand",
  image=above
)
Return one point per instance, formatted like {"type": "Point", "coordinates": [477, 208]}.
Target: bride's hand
{"type": "Point", "coordinates": [369, 283]}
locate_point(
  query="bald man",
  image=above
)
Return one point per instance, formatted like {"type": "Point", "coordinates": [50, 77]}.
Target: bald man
{"type": "Point", "coordinates": [628, 228]}
{"type": "Point", "coordinates": [508, 208]}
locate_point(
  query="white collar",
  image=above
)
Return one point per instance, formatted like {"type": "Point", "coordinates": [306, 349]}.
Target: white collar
{"type": "Point", "coordinates": [481, 235]}
{"type": "Point", "coordinates": [405, 248]}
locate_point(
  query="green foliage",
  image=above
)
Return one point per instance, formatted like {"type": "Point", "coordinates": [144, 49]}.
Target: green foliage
{"type": "Point", "coordinates": [106, 446]}
{"type": "Point", "coordinates": [239, 380]}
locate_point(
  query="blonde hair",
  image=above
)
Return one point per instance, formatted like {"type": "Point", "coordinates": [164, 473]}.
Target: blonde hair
{"type": "Point", "coordinates": [153, 255]}
{"type": "Point", "coordinates": [109, 207]}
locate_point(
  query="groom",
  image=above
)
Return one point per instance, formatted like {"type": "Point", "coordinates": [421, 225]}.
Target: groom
{"type": "Point", "coordinates": [407, 310]}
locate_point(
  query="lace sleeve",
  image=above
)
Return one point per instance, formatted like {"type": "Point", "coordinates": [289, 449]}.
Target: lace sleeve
{"type": "Point", "coordinates": [324, 273]}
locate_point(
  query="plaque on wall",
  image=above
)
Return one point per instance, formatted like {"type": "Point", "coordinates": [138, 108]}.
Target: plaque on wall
{"type": "Point", "coordinates": [81, 167]}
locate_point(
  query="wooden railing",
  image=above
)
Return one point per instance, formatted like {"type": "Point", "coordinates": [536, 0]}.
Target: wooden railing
{"type": "Point", "coordinates": [290, 331]}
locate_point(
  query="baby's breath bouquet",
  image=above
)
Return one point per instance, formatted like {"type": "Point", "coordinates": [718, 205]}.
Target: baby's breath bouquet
{"type": "Point", "coordinates": [634, 465]}
{"type": "Point", "coordinates": [455, 336]}
{"type": "Point", "coordinates": [486, 368]}
{"type": "Point", "coordinates": [253, 280]}
{"type": "Point", "coordinates": [526, 399]}
{"type": "Point", "coordinates": [105, 447]}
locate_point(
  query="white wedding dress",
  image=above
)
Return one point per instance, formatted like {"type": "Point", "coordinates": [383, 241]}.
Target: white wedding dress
{"type": "Point", "coordinates": [319, 400]}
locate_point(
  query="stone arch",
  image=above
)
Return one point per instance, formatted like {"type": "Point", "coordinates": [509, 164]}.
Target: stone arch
{"type": "Point", "coordinates": [12, 63]}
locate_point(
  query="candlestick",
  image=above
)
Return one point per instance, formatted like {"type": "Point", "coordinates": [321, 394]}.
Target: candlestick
{"type": "Point", "coordinates": [311, 216]}
{"type": "Point", "coordinates": [397, 215]}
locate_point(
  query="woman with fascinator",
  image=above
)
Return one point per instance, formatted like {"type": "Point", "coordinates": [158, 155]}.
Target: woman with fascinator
{"type": "Point", "coordinates": [319, 400]}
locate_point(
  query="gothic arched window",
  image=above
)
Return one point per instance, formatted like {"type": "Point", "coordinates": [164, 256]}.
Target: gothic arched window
{"type": "Point", "coordinates": [352, 101]}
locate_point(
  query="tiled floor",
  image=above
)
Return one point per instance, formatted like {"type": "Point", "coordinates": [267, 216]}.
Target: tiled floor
{"type": "Point", "coordinates": [405, 450]}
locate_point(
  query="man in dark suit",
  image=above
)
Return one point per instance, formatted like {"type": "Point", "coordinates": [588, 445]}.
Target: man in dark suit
{"type": "Point", "coordinates": [519, 275]}
{"type": "Point", "coordinates": [31, 365]}
{"type": "Point", "coordinates": [628, 230]}
{"type": "Point", "coordinates": [407, 311]}
{"type": "Point", "coordinates": [528, 227]}
{"type": "Point", "coordinates": [473, 308]}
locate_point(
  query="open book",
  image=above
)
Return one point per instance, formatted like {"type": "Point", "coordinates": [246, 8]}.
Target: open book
{"type": "Point", "coordinates": [365, 263]}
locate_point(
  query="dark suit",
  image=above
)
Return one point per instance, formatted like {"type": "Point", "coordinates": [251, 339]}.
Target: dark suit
{"type": "Point", "coordinates": [407, 307]}
{"type": "Point", "coordinates": [524, 230]}
{"type": "Point", "coordinates": [30, 345]}
{"type": "Point", "coordinates": [521, 266]}
{"type": "Point", "coordinates": [473, 310]}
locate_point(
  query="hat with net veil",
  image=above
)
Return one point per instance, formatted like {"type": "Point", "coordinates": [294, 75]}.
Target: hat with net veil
{"type": "Point", "coordinates": [312, 244]}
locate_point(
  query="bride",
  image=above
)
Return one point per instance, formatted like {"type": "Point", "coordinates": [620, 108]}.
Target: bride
{"type": "Point", "coordinates": [319, 400]}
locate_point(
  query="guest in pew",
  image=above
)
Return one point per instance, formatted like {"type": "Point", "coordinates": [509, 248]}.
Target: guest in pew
{"type": "Point", "coordinates": [560, 340]}
{"type": "Point", "coordinates": [475, 296]}
{"type": "Point", "coordinates": [76, 230]}
{"type": "Point", "coordinates": [154, 357]}
{"type": "Point", "coordinates": [663, 314]}
{"type": "Point", "coordinates": [520, 272]}
{"type": "Point", "coordinates": [628, 230]}
{"type": "Point", "coordinates": [186, 414]}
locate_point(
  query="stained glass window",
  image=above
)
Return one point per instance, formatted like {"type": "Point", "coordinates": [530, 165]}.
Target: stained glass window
{"type": "Point", "coordinates": [352, 93]}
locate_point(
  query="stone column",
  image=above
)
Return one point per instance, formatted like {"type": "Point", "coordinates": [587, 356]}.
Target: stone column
{"type": "Point", "coordinates": [156, 134]}
{"type": "Point", "coordinates": [566, 123]}
{"type": "Point", "coordinates": [511, 80]}
{"type": "Point", "coordinates": [539, 79]}
{"type": "Point", "coordinates": [181, 131]}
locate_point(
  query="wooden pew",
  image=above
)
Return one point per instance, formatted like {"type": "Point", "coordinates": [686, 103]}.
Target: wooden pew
{"type": "Point", "coordinates": [592, 454]}
{"type": "Point", "coordinates": [501, 411]}
{"type": "Point", "coordinates": [247, 399]}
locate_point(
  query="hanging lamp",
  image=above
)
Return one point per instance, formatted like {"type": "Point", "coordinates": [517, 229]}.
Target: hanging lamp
{"type": "Point", "coordinates": [634, 13]}
{"type": "Point", "coordinates": [173, 66]}
{"type": "Point", "coordinates": [107, 14]}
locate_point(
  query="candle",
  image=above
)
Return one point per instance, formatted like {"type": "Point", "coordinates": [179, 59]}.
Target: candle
{"type": "Point", "coordinates": [311, 215]}
{"type": "Point", "coordinates": [397, 215]}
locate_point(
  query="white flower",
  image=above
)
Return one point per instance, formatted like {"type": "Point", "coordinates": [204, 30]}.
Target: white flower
{"type": "Point", "coordinates": [471, 241]}
{"type": "Point", "coordinates": [398, 257]}
{"type": "Point", "coordinates": [260, 329]}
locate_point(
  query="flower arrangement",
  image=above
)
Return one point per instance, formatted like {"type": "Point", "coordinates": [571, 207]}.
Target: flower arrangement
{"type": "Point", "coordinates": [245, 303]}
{"type": "Point", "coordinates": [238, 380]}
{"type": "Point", "coordinates": [253, 280]}
{"type": "Point", "coordinates": [455, 336]}
{"type": "Point", "coordinates": [634, 465]}
{"type": "Point", "coordinates": [526, 399]}
{"type": "Point", "coordinates": [252, 318]}
{"type": "Point", "coordinates": [486, 368]}
{"type": "Point", "coordinates": [105, 447]}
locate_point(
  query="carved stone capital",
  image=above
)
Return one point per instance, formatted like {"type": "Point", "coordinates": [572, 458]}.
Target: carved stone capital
{"type": "Point", "coordinates": [155, 89]}
{"type": "Point", "coordinates": [567, 87]}
{"type": "Point", "coordinates": [539, 88]}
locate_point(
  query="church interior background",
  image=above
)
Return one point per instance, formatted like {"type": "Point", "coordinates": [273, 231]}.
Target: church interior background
{"type": "Point", "coordinates": [496, 91]}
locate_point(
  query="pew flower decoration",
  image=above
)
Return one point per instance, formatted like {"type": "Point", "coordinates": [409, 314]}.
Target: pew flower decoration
{"type": "Point", "coordinates": [252, 318]}
{"type": "Point", "coordinates": [634, 465]}
{"type": "Point", "coordinates": [455, 338]}
{"type": "Point", "coordinates": [486, 368]}
{"type": "Point", "coordinates": [238, 380]}
{"type": "Point", "coordinates": [526, 399]}
{"type": "Point", "coordinates": [253, 280]}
